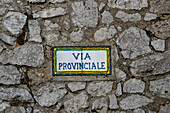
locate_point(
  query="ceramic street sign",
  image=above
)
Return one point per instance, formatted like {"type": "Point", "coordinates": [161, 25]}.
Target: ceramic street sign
{"type": "Point", "coordinates": [82, 60]}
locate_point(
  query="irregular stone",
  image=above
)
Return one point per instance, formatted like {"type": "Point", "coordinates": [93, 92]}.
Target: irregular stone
{"type": "Point", "coordinates": [113, 102]}
{"type": "Point", "coordinates": [160, 29]}
{"type": "Point", "coordinates": [107, 18]}
{"type": "Point", "coordinates": [49, 93]}
{"type": "Point", "coordinates": [36, 1]}
{"type": "Point", "coordinates": [39, 109]}
{"type": "Point", "coordinates": [75, 86]}
{"type": "Point", "coordinates": [101, 6]}
{"type": "Point", "coordinates": [160, 87]}
{"type": "Point", "coordinates": [34, 31]}
{"type": "Point", "coordinates": [1, 48]}
{"type": "Point", "coordinates": [3, 106]}
{"type": "Point", "coordinates": [150, 16]}
{"type": "Point", "coordinates": [100, 105]}
{"type": "Point", "coordinates": [2, 11]}
{"type": "Point", "coordinates": [79, 101]}
{"type": "Point", "coordinates": [149, 111]}
{"type": "Point", "coordinates": [151, 65]}
{"type": "Point", "coordinates": [76, 36]}
{"type": "Point", "coordinates": [165, 109]}
{"type": "Point", "coordinates": [7, 39]}
{"type": "Point", "coordinates": [134, 42]}
{"type": "Point", "coordinates": [138, 111]}
{"type": "Point", "coordinates": [57, 1]}
{"type": "Point", "coordinates": [9, 75]}
{"type": "Point", "coordinates": [10, 94]}
{"type": "Point", "coordinates": [14, 22]}
{"type": "Point", "coordinates": [134, 86]}
{"type": "Point", "coordinates": [27, 54]}
{"type": "Point", "coordinates": [118, 112]}
{"type": "Point", "coordinates": [125, 17]}
{"type": "Point", "coordinates": [116, 54]}
{"type": "Point", "coordinates": [119, 90]}
{"type": "Point", "coordinates": [48, 13]}
{"type": "Point", "coordinates": [128, 4]}
{"type": "Point", "coordinates": [99, 88]}
{"type": "Point", "coordinates": [134, 101]}
{"type": "Point", "coordinates": [120, 74]}
{"type": "Point", "coordinates": [85, 14]}
{"type": "Point", "coordinates": [104, 33]}
{"type": "Point", "coordinates": [6, 1]}
{"type": "Point", "coordinates": [158, 45]}
{"type": "Point", "coordinates": [160, 6]}
{"type": "Point", "coordinates": [13, 109]}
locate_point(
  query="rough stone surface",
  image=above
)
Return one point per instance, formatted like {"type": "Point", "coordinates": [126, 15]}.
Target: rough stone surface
{"type": "Point", "coordinates": [134, 42]}
{"type": "Point", "coordinates": [120, 74]}
{"type": "Point", "coordinates": [160, 87]}
{"type": "Point", "coordinates": [10, 94]}
{"type": "Point", "coordinates": [75, 104]}
{"type": "Point", "coordinates": [77, 36]}
{"type": "Point", "coordinates": [128, 4]}
{"type": "Point", "coordinates": [119, 90]}
{"type": "Point", "coordinates": [27, 54]}
{"type": "Point", "coordinates": [14, 22]}
{"type": "Point", "coordinates": [165, 109]}
{"type": "Point", "coordinates": [3, 106]}
{"type": "Point", "coordinates": [138, 111]}
{"type": "Point", "coordinates": [107, 18]}
{"type": "Point", "coordinates": [6, 1]}
{"type": "Point", "coordinates": [48, 13]}
{"type": "Point", "coordinates": [134, 86]}
{"type": "Point", "coordinates": [100, 105]}
{"type": "Point", "coordinates": [151, 65]}
{"type": "Point", "coordinates": [58, 1]}
{"type": "Point", "coordinates": [113, 102]}
{"type": "Point", "coordinates": [101, 6]}
{"type": "Point", "coordinates": [34, 31]}
{"type": "Point", "coordinates": [9, 75]}
{"type": "Point", "coordinates": [134, 101]}
{"type": "Point", "coordinates": [49, 93]}
{"type": "Point", "coordinates": [1, 48]}
{"type": "Point", "coordinates": [125, 17]}
{"type": "Point", "coordinates": [13, 109]}
{"type": "Point", "coordinates": [104, 33]}
{"type": "Point", "coordinates": [99, 88]}
{"type": "Point", "coordinates": [36, 1]}
{"type": "Point", "coordinates": [150, 16]}
{"type": "Point", "coordinates": [85, 14]}
{"type": "Point", "coordinates": [158, 45]}
{"type": "Point", "coordinates": [75, 86]}
{"type": "Point", "coordinates": [7, 39]}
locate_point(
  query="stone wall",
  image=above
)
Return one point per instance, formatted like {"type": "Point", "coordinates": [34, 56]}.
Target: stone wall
{"type": "Point", "coordinates": [137, 30]}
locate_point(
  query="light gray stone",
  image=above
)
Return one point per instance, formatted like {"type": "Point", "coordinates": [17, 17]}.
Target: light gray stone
{"type": "Point", "coordinates": [85, 14]}
{"type": "Point", "coordinates": [27, 54]}
{"type": "Point", "coordinates": [2, 11]}
{"type": "Point", "coordinates": [138, 111]}
{"type": "Point", "coordinates": [150, 16]}
{"type": "Point", "coordinates": [125, 17]}
{"type": "Point", "coordinates": [100, 105]}
{"type": "Point", "coordinates": [104, 33]}
{"type": "Point", "coordinates": [58, 1]}
{"type": "Point", "coordinates": [165, 109]}
{"type": "Point", "coordinates": [134, 86]}
{"type": "Point", "coordinates": [134, 42]}
{"type": "Point", "coordinates": [118, 112]}
{"type": "Point", "coordinates": [107, 18]}
{"type": "Point", "coordinates": [75, 86]}
{"type": "Point", "coordinates": [158, 45]}
{"type": "Point", "coordinates": [113, 102]}
{"type": "Point", "coordinates": [1, 48]}
{"type": "Point", "coordinates": [6, 1]}
{"type": "Point", "coordinates": [3, 106]}
{"type": "Point", "coordinates": [48, 13]}
{"type": "Point", "coordinates": [77, 36]}
{"type": "Point", "coordinates": [101, 6]}
{"type": "Point", "coordinates": [120, 74]}
{"type": "Point", "coordinates": [128, 4]}
{"type": "Point", "coordinates": [7, 39]}
{"type": "Point", "coordinates": [99, 88]}
{"type": "Point", "coordinates": [119, 90]}
{"type": "Point", "coordinates": [49, 93]}
{"type": "Point", "coordinates": [34, 31]}
{"type": "Point", "coordinates": [116, 54]}
{"type": "Point", "coordinates": [134, 101]}
{"type": "Point", "coordinates": [9, 75]}
{"type": "Point", "coordinates": [9, 94]}
{"type": "Point", "coordinates": [151, 65]}
{"type": "Point", "coordinates": [36, 1]}
{"type": "Point", "coordinates": [160, 87]}
{"type": "Point", "coordinates": [13, 109]}
{"type": "Point", "coordinates": [149, 111]}
{"type": "Point", "coordinates": [14, 22]}
{"type": "Point", "coordinates": [79, 101]}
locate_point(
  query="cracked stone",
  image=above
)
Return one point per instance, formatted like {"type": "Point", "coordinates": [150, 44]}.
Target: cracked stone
{"type": "Point", "coordinates": [150, 16]}
{"type": "Point", "coordinates": [75, 86]}
{"type": "Point", "coordinates": [134, 101]}
{"type": "Point", "coordinates": [3, 106]}
{"type": "Point", "coordinates": [7, 39]}
{"type": "Point", "coordinates": [133, 42]}
{"type": "Point", "coordinates": [158, 45]}
{"type": "Point", "coordinates": [107, 18]}
{"type": "Point", "coordinates": [100, 105]}
{"type": "Point", "coordinates": [160, 87]}
{"type": "Point", "coordinates": [113, 102]}
{"type": "Point", "coordinates": [125, 17]}
{"type": "Point", "coordinates": [78, 102]}
{"type": "Point", "coordinates": [151, 65]}
{"type": "Point", "coordinates": [120, 74]}
{"type": "Point", "coordinates": [49, 93]}
{"type": "Point", "coordinates": [134, 86]}
{"type": "Point", "coordinates": [36, 1]}
{"type": "Point", "coordinates": [85, 14]}
{"type": "Point", "coordinates": [76, 36]}
{"type": "Point", "coordinates": [165, 109]}
{"type": "Point", "coordinates": [119, 90]}
{"type": "Point", "coordinates": [99, 88]}
{"type": "Point", "coordinates": [27, 54]}
{"type": "Point", "coordinates": [48, 13]}
{"type": "Point", "coordinates": [9, 75]}
{"type": "Point", "coordinates": [10, 94]}
{"type": "Point", "coordinates": [128, 4]}
{"type": "Point", "coordinates": [13, 109]}
{"type": "Point", "coordinates": [14, 22]}
{"type": "Point", "coordinates": [138, 111]}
